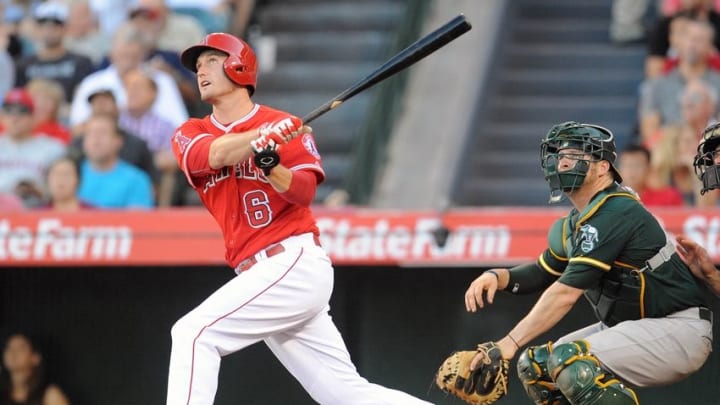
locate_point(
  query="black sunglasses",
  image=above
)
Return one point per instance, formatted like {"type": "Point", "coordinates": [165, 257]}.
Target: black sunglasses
{"type": "Point", "coordinates": [16, 109]}
{"type": "Point", "coordinates": [53, 21]}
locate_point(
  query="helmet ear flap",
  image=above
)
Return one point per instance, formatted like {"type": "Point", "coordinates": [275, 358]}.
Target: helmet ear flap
{"type": "Point", "coordinates": [233, 65]}
{"type": "Point", "coordinates": [236, 70]}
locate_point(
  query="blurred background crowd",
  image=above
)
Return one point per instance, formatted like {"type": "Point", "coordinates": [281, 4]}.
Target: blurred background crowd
{"type": "Point", "coordinates": [678, 97]}
{"type": "Point", "coordinates": [92, 91]}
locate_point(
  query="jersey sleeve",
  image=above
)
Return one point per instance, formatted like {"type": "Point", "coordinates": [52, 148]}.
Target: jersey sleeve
{"type": "Point", "coordinates": [191, 146]}
{"type": "Point", "coordinates": [554, 259]}
{"type": "Point", "coordinates": [302, 154]}
{"type": "Point", "coordinates": [596, 246]}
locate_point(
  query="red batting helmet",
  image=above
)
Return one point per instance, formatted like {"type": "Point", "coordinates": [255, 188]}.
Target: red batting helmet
{"type": "Point", "coordinates": [240, 65]}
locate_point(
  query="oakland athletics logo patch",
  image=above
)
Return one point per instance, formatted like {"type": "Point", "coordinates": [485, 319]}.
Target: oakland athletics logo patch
{"type": "Point", "coordinates": [588, 237]}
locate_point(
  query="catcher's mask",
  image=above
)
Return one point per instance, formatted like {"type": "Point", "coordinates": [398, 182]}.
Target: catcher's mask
{"type": "Point", "coordinates": [705, 167]}
{"type": "Point", "coordinates": [240, 65]}
{"type": "Point", "coordinates": [593, 140]}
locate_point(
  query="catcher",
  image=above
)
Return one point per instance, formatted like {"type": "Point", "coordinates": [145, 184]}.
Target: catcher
{"type": "Point", "coordinates": [653, 328]}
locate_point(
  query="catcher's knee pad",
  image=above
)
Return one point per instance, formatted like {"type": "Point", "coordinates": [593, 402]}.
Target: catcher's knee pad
{"type": "Point", "coordinates": [532, 370]}
{"type": "Point", "coordinates": [582, 379]}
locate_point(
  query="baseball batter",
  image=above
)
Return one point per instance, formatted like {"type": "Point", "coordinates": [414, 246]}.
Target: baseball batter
{"type": "Point", "coordinates": [654, 327]}
{"type": "Point", "coordinates": [256, 170]}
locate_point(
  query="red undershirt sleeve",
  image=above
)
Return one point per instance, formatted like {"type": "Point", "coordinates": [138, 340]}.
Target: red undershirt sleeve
{"type": "Point", "coordinates": [302, 188]}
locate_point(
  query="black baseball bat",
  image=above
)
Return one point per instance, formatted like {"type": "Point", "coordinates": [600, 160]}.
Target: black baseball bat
{"type": "Point", "coordinates": [402, 60]}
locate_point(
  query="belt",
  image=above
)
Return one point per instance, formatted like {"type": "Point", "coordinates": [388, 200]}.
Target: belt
{"type": "Point", "coordinates": [706, 314]}
{"type": "Point", "coordinates": [273, 250]}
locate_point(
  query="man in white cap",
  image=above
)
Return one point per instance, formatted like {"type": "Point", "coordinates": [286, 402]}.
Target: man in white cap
{"type": "Point", "coordinates": [52, 60]}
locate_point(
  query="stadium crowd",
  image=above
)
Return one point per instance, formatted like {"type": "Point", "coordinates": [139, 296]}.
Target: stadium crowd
{"type": "Point", "coordinates": [91, 92]}
{"type": "Point", "coordinates": [678, 97]}
{"type": "Point", "coordinates": [101, 83]}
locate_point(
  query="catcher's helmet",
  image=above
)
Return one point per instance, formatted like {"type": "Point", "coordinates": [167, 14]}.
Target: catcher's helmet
{"type": "Point", "coordinates": [705, 167]}
{"type": "Point", "coordinates": [240, 65]}
{"type": "Point", "coordinates": [594, 140]}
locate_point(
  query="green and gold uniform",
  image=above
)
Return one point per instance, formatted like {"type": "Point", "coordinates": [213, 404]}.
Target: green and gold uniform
{"type": "Point", "coordinates": [604, 250]}
{"type": "Point", "coordinates": [650, 314]}
{"type": "Point", "coordinates": [654, 328]}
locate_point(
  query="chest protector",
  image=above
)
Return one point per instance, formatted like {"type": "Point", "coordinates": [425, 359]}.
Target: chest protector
{"type": "Point", "coordinates": [618, 296]}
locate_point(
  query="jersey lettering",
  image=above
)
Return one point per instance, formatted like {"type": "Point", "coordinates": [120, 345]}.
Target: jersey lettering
{"type": "Point", "coordinates": [241, 188]}
{"type": "Point", "coordinates": [212, 180]}
{"type": "Point", "coordinates": [257, 208]}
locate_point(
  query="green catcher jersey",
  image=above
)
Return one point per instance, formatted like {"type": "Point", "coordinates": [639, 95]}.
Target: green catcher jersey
{"type": "Point", "coordinates": [612, 239]}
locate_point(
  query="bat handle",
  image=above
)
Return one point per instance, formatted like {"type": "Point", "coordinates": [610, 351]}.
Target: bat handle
{"type": "Point", "coordinates": [321, 110]}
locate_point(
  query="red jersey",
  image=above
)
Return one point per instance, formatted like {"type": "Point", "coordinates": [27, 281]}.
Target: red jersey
{"type": "Point", "coordinates": [666, 196]}
{"type": "Point", "coordinates": [55, 130]}
{"type": "Point", "coordinates": [251, 214]}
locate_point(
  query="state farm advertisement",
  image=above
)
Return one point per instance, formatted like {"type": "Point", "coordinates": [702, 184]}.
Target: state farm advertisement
{"type": "Point", "coordinates": [183, 237]}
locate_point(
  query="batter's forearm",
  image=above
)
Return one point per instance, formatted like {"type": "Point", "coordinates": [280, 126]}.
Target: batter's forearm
{"type": "Point", "coordinates": [280, 178]}
{"type": "Point", "coordinates": [231, 149]}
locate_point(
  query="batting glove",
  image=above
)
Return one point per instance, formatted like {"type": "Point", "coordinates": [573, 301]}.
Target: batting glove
{"type": "Point", "coordinates": [266, 154]}
{"type": "Point", "coordinates": [263, 142]}
{"type": "Point", "coordinates": [282, 131]}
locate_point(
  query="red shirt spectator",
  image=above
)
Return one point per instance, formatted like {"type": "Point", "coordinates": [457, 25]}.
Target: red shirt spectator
{"type": "Point", "coordinates": [666, 196]}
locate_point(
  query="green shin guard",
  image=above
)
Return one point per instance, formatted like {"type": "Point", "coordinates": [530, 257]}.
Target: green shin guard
{"type": "Point", "coordinates": [532, 370]}
{"type": "Point", "coordinates": [581, 378]}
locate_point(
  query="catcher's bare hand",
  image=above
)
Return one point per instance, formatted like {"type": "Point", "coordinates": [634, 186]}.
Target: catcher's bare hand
{"type": "Point", "coordinates": [699, 262]}
{"type": "Point", "coordinates": [487, 283]}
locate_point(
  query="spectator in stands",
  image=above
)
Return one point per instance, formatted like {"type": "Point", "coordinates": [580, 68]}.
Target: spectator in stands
{"type": "Point", "coordinates": [22, 377]}
{"type": "Point", "coordinates": [626, 24]}
{"type": "Point", "coordinates": [134, 150]}
{"type": "Point", "coordinates": [53, 60]}
{"type": "Point", "coordinates": [111, 14]}
{"type": "Point", "coordinates": [63, 180]}
{"type": "Point", "coordinates": [670, 61]}
{"type": "Point", "coordinates": [106, 181]}
{"type": "Point", "coordinates": [243, 15]}
{"type": "Point", "coordinates": [15, 24]}
{"type": "Point", "coordinates": [10, 202]}
{"type": "Point", "coordinates": [671, 7]}
{"type": "Point", "coordinates": [175, 31]}
{"type": "Point", "coordinates": [660, 97]}
{"type": "Point", "coordinates": [24, 158]}
{"type": "Point", "coordinates": [635, 171]}
{"type": "Point", "coordinates": [672, 164]}
{"type": "Point", "coordinates": [129, 50]}
{"type": "Point", "coordinates": [214, 15]}
{"type": "Point", "coordinates": [48, 98]}
{"type": "Point", "coordinates": [659, 38]}
{"type": "Point", "coordinates": [83, 35]}
{"type": "Point", "coordinates": [698, 106]}
{"type": "Point", "coordinates": [7, 64]}
{"type": "Point", "coordinates": [138, 118]}
{"type": "Point", "coordinates": [163, 59]}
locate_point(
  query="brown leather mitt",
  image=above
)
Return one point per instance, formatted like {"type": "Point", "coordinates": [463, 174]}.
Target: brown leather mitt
{"type": "Point", "coordinates": [482, 386]}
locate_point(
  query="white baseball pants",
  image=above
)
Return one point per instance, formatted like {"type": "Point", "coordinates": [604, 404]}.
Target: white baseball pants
{"type": "Point", "coordinates": [282, 300]}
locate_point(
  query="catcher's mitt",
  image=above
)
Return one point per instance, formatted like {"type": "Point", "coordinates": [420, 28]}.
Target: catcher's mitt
{"type": "Point", "coordinates": [482, 386]}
